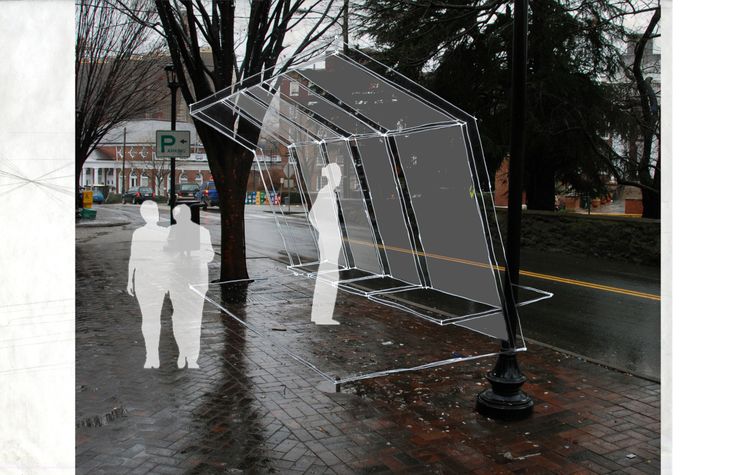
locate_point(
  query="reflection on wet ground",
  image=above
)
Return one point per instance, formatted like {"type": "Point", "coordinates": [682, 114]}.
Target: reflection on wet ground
{"type": "Point", "coordinates": [251, 409]}
{"type": "Point", "coordinates": [371, 337]}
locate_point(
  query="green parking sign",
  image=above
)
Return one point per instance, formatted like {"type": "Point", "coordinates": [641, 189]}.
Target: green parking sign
{"type": "Point", "coordinates": [173, 143]}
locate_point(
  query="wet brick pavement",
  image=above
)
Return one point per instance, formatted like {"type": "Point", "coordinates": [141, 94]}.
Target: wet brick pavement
{"type": "Point", "coordinates": [250, 409]}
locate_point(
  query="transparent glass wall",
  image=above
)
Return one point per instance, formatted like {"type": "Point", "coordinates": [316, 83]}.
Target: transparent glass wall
{"type": "Point", "coordinates": [437, 174]}
{"type": "Point", "coordinates": [415, 235]}
{"type": "Point", "coordinates": [388, 207]}
{"type": "Point", "coordinates": [358, 227]}
{"type": "Point", "coordinates": [371, 96]}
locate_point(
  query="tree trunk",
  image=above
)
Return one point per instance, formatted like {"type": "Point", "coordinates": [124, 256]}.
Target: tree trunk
{"type": "Point", "coordinates": [649, 125]}
{"type": "Point", "coordinates": [78, 167]}
{"type": "Point", "coordinates": [651, 203]}
{"type": "Point", "coordinates": [233, 232]}
{"type": "Point", "coordinates": [651, 200]}
{"type": "Point", "coordinates": [230, 164]}
{"type": "Point", "coordinates": [540, 184]}
{"type": "Point", "coordinates": [78, 172]}
{"type": "Point", "coordinates": [79, 156]}
{"type": "Point", "coordinates": [540, 172]}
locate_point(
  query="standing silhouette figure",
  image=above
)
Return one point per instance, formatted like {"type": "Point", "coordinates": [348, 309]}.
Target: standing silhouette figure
{"type": "Point", "coordinates": [323, 217]}
{"type": "Point", "coordinates": [190, 250]}
{"type": "Point", "coordinates": [147, 278]}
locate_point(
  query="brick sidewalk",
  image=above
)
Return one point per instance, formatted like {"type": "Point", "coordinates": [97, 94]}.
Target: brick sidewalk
{"type": "Point", "coordinates": [250, 409]}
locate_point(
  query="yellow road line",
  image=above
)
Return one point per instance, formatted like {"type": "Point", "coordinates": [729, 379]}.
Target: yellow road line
{"type": "Point", "coordinates": [590, 285]}
{"type": "Point", "coordinates": [535, 275]}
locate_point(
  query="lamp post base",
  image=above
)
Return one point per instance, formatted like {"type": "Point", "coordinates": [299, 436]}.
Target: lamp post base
{"type": "Point", "coordinates": [505, 399]}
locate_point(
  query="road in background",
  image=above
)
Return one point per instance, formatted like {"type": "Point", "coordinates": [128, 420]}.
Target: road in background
{"type": "Point", "coordinates": [603, 310]}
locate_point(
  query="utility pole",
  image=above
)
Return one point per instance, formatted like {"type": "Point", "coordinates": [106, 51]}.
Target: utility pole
{"type": "Point", "coordinates": [125, 131]}
{"type": "Point", "coordinates": [345, 17]}
{"type": "Point", "coordinates": [505, 399]}
{"type": "Point", "coordinates": [173, 85]}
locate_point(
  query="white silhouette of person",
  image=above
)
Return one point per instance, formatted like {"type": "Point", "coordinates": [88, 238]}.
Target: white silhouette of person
{"type": "Point", "coordinates": [323, 217]}
{"type": "Point", "coordinates": [190, 250]}
{"type": "Point", "coordinates": [147, 279]}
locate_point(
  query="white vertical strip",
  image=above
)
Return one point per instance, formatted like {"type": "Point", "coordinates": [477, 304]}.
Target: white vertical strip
{"type": "Point", "coordinates": [37, 253]}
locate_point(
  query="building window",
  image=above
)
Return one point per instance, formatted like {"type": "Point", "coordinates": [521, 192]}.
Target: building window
{"type": "Point", "coordinates": [293, 89]}
{"type": "Point", "coordinates": [198, 178]}
{"type": "Point", "coordinates": [133, 179]}
{"type": "Point", "coordinates": [183, 178]}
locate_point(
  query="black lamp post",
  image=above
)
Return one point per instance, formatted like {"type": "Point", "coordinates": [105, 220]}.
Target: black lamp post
{"type": "Point", "coordinates": [505, 399]}
{"type": "Point", "coordinates": [173, 85]}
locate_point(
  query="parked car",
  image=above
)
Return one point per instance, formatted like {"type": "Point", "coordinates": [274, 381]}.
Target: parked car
{"type": "Point", "coordinates": [98, 197]}
{"type": "Point", "coordinates": [208, 195]}
{"type": "Point", "coordinates": [137, 195]}
{"type": "Point", "coordinates": [186, 193]}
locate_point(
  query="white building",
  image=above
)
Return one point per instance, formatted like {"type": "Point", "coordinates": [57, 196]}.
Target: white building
{"type": "Point", "coordinates": [132, 146]}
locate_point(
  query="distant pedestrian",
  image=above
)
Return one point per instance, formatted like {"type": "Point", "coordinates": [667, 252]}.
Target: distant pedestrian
{"type": "Point", "coordinates": [148, 279]}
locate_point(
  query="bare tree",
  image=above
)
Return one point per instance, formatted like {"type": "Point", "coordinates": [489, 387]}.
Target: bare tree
{"type": "Point", "coordinates": [159, 168]}
{"type": "Point", "coordinates": [635, 158]}
{"type": "Point", "coordinates": [648, 167]}
{"type": "Point", "coordinates": [116, 74]}
{"type": "Point", "coordinates": [208, 55]}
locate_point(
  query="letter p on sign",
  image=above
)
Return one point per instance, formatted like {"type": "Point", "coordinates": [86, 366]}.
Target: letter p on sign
{"type": "Point", "coordinates": [167, 140]}
{"type": "Point", "coordinates": [173, 143]}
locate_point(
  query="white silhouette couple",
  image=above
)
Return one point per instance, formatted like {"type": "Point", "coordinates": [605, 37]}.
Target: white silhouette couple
{"type": "Point", "coordinates": [323, 217]}
{"type": "Point", "coordinates": [168, 260]}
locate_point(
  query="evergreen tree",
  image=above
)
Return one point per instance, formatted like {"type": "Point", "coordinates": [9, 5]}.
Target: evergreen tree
{"type": "Point", "coordinates": [461, 50]}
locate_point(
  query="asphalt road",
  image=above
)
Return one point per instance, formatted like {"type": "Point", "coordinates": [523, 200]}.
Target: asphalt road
{"type": "Point", "coordinates": [606, 311]}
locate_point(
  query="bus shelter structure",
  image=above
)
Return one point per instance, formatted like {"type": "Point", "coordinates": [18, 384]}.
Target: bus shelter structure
{"type": "Point", "coordinates": [418, 226]}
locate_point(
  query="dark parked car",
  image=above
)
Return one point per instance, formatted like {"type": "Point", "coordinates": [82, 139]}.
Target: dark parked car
{"type": "Point", "coordinates": [186, 193]}
{"type": "Point", "coordinates": [208, 195]}
{"type": "Point", "coordinates": [137, 195]}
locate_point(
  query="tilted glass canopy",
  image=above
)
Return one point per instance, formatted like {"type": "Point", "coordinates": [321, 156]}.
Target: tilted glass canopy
{"type": "Point", "coordinates": [417, 233]}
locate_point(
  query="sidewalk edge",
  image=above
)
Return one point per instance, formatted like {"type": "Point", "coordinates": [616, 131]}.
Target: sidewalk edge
{"type": "Point", "coordinates": [594, 361]}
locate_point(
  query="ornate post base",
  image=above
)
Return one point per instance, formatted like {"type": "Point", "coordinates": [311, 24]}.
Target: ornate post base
{"type": "Point", "coordinates": [505, 399]}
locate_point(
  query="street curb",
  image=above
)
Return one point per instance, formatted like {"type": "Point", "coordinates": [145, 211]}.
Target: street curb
{"type": "Point", "coordinates": [594, 361]}
{"type": "Point", "coordinates": [101, 224]}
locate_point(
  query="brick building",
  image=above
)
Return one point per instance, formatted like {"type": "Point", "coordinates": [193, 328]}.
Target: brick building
{"type": "Point", "coordinates": [135, 141]}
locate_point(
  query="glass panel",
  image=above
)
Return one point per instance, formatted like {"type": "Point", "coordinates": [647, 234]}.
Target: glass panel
{"type": "Point", "coordinates": [311, 165]}
{"type": "Point", "coordinates": [224, 119]}
{"type": "Point", "coordinates": [371, 96]}
{"type": "Point", "coordinates": [385, 199]}
{"type": "Point", "coordinates": [437, 173]}
{"type": "Point", "coordinates": [355, 214]}
{"type": "Point", "coordinates": [420, 176]}
{"type": "Point", "coordinates": [245, 103]}
{"type": "Point", "coordinates": [436, 306]}
{"type": "Point", "coordinates": [299, 243]}
{"type": "Point", "coordinates": [382, 332]}
{"type": "Point", "coordinates": [327, 110]}
{"type": "Point", "coordinates": [280, 120]}
{"type": "Point", "coordinates": [292, 115]}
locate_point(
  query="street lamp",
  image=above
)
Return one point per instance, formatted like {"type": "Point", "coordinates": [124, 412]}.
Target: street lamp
{"type": "Point", "coordinates": [505, 399]}
{"type": "Point", "coordinates": [173, 85]}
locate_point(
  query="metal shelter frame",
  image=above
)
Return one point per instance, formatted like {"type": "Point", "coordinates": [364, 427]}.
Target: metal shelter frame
{"type": "Point", "coordinates": [417, 232]}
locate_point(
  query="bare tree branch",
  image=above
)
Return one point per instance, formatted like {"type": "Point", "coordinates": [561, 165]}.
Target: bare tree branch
{"type": "Point", "coordinates": [116, 70]}
{"type": "Point", "coordinates": [201, 38]}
